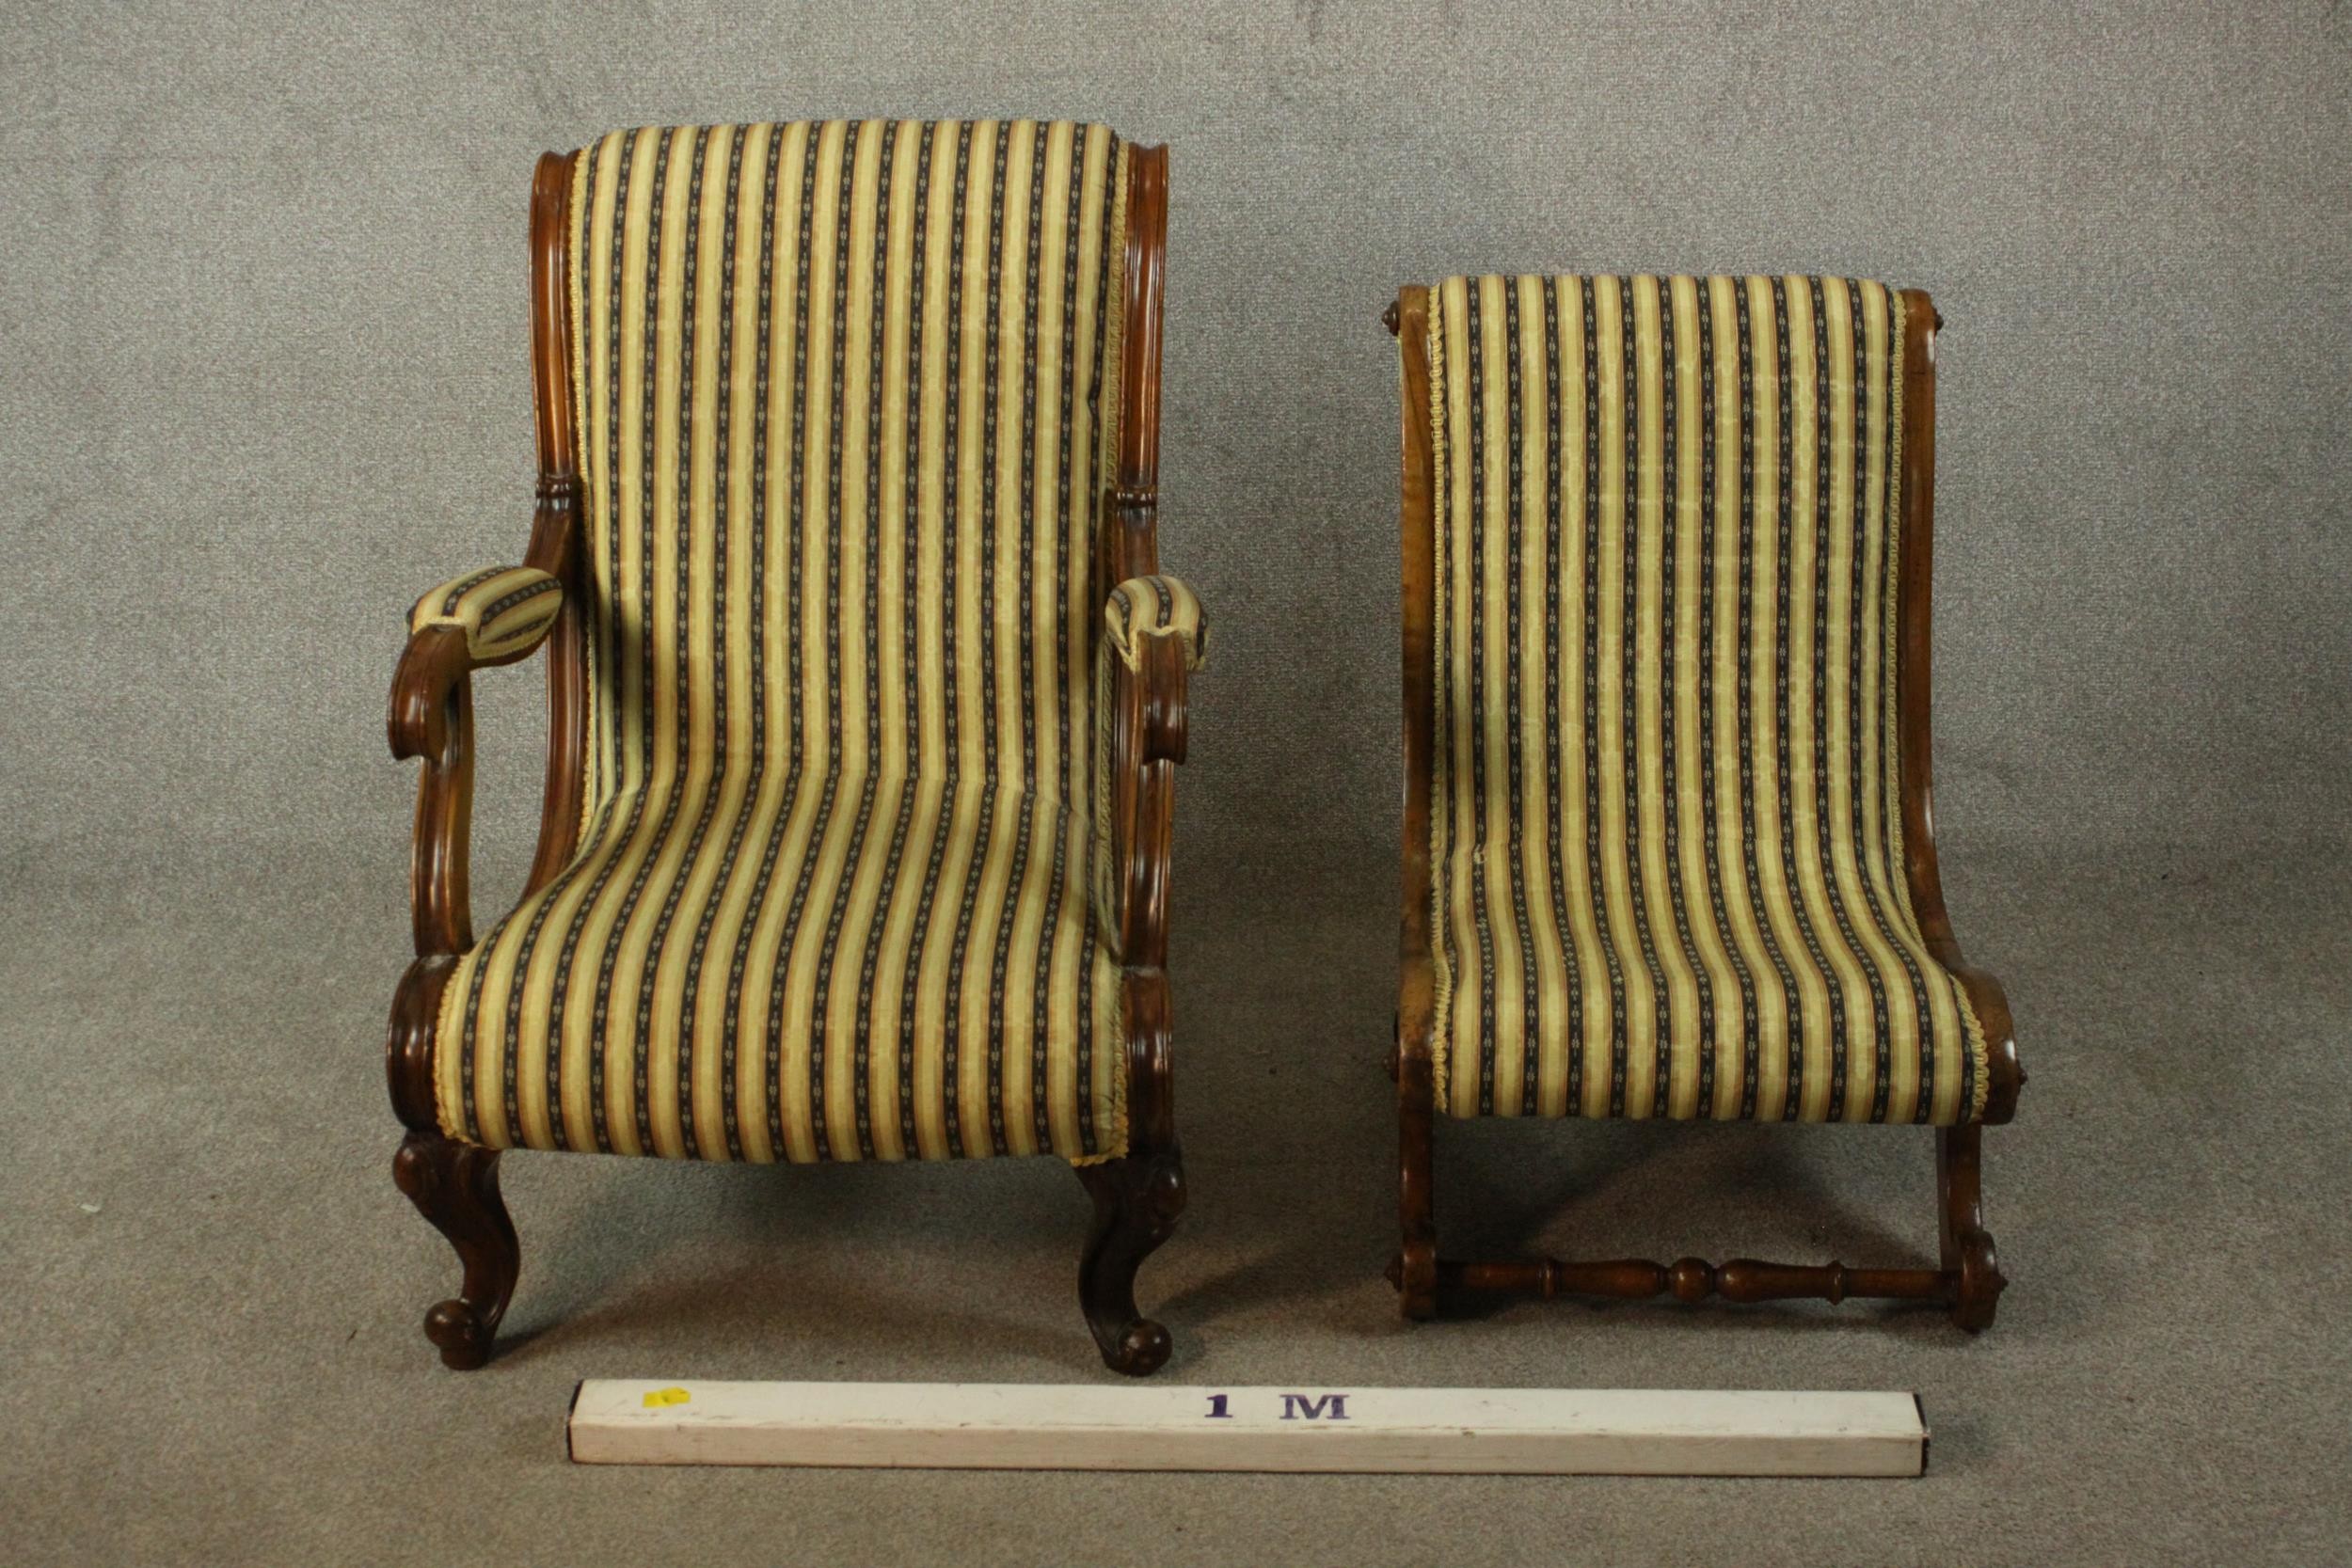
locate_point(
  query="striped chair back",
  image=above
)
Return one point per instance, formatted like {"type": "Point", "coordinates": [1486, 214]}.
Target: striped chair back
{"type": "Point", "coordinates": [1666, 812]}
{"type": "Point", "coordinates": [846, 394]}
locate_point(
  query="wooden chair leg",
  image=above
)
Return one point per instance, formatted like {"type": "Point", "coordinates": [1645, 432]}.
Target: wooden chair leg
{"type": "Point", "coordinates": [457, 1187]}
{"type": "Point", "coordinates": [1414, 1271]}
{"type": "Point", "coordinates": [1967, 1247]}
{"type": "Point", "coordinates": [1138, 1200]}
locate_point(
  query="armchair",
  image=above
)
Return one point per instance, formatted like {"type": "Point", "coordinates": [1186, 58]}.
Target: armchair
{"type": "Point", "coordinates": [1668, 844]}
{"type": "Point", "coordinates": [865, 689]}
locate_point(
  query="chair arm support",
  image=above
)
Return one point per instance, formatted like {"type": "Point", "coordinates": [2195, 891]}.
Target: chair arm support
{"type": "Point", "coordinates": [431, 667]}
{"type": "Point", "coordinates": [466, 624]}
{"type": "Point", "coordinates": [1152, 640]}
{"type": "Point", "coordinates": [432, 719]}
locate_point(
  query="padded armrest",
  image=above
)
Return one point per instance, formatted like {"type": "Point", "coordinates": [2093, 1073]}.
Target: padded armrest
{"type": "Point", "coordinates": [504, 612]}
{"type": "Point", "coordinates": [1142, 607]}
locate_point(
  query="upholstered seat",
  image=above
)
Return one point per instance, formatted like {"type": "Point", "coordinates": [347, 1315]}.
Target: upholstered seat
{"type": "Point", "coordinates": [1668, 867]}
{"type": "Point", "coordinates": [864, 966]}
{"type": "Point", "coordinates": [846, 556]}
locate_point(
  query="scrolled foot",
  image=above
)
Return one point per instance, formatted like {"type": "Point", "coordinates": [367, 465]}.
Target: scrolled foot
{"type": "Point", "coordinates": [1968, 1244]}
{"type": "Point", "coordinates": [455, 1186]}
{"type": "Point", "coordinates": [1142, 1348]}
{"type": "Point", "coordinates": [1414, 1272]}
{"type": "Point", "coordinates": [1980, 1283]}
{"type": "Point", "coordinates": [1138, 1201]}
{"type": "Point", "coordinates": [461, 1333]}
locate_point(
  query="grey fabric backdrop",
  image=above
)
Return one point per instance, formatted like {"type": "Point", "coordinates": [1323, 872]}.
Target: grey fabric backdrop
{"type": "Point", "coordinates": [262, 379]}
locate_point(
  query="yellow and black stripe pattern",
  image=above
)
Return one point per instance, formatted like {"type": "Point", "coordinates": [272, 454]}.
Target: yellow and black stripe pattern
{"type": "Point", "coordinates": [1666, 822]}
{"type": "Point", "coordinates": [503, 611]}
{"type": "Point", "coordinates": [1154, 606]}
{"type": "Point", "coordinates": [846, 394]}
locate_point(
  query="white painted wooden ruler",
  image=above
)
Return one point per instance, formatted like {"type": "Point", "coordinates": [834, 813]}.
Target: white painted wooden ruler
{"type": "Point", "coordinates": [1017, 1426]}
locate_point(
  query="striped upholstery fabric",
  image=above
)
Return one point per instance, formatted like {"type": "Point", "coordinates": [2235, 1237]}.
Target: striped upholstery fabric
{"type": "Point", "coordinates": [846, 394]}
{"type": "Point", "coordinates": [1154, 605]}
{"type": "Point", "coordinates": [1665, 819]}
{"type": "Point", "coordinates": [503, 611]}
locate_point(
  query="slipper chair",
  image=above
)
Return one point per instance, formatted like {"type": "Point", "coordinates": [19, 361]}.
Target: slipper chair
{"type": "Point", "coordinates": [1667, 834]}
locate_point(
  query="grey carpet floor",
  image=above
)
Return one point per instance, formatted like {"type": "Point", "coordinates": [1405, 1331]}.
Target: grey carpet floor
{"type": "Point", "coordinates": [212, 1351]}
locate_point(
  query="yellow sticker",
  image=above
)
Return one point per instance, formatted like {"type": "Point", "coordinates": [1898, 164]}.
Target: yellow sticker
{"type": "Point", "coordinates": [666, 1396]}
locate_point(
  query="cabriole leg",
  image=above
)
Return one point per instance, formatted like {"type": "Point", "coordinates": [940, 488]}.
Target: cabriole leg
{"type": "Point", "coordinates": [457, 1187]}
{"type": "Point", "coordinates": [1138, 1200]}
